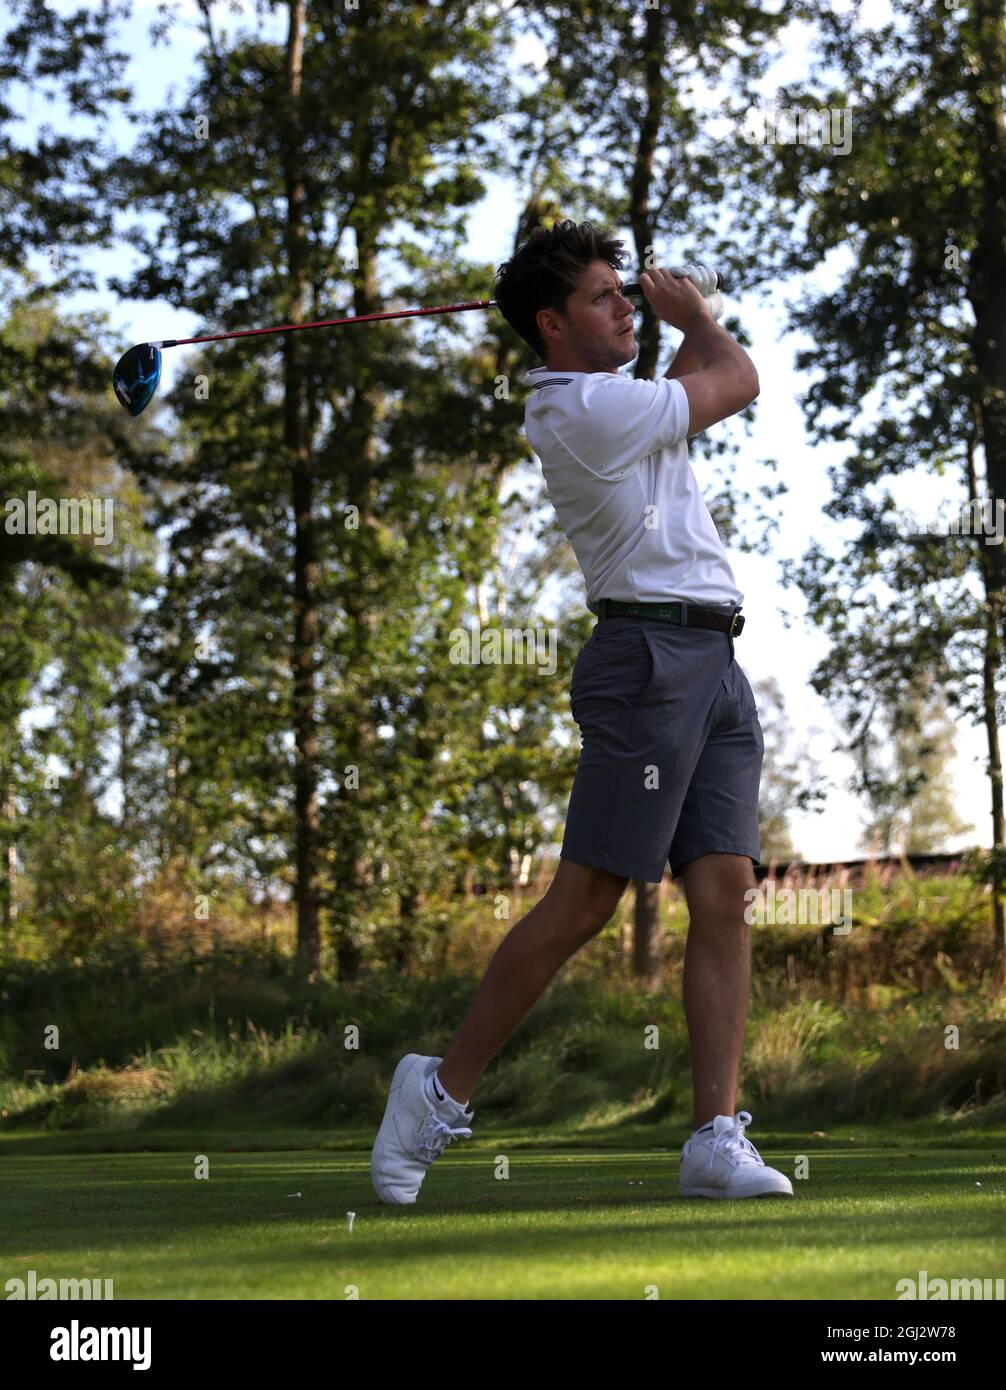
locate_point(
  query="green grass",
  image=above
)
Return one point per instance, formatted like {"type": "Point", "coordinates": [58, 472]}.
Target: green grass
{"type": "Point", "coordinates": [567, 1223]}
{"type": "Point", "coordinates": [235, 1056]}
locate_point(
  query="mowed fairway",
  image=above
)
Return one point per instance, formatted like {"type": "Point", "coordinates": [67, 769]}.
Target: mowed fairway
{"type": "Point", "coordinates": [568, 1225]}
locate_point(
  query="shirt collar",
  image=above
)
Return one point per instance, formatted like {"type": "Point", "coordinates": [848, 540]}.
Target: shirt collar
{"type": "Point", "coordinates": [550, 376]}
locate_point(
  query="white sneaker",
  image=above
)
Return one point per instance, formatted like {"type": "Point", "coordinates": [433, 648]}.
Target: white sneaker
{"type": "Point", "coordinates": [720, 1161]}
{"type": "Point", "coordinates": [414, 1132]}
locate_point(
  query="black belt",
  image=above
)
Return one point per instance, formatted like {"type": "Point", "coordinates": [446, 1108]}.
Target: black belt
{"type": "Point", "coordinates": [687, 614]}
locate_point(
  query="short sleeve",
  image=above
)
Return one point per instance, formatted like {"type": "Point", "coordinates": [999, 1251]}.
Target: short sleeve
{"type": "Point", "coordinates": [615, 421]}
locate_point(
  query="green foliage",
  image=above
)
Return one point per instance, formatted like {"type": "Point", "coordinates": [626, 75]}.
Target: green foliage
{"type": "Point", "coordinates": [854, 1027]}
{"type": "Point", "coordinates": [913, 326]}
{"type": "Point", "coordinates": [296, 543]}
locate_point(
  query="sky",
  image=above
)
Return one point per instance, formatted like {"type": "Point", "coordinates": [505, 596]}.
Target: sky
{"type": "Point", "coordinates": [771, 645]}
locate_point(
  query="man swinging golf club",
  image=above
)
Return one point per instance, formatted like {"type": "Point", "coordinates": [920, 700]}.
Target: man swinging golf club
{"type": "Point", "coordinates": [672, 747]}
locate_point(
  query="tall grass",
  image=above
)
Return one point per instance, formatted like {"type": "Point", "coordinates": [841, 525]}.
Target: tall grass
{"type": "Point", "coordinates": [840, 1027]}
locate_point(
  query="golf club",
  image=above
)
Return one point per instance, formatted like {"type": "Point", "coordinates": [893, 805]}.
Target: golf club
{"type": "Point", "coordinates": [138, 371]}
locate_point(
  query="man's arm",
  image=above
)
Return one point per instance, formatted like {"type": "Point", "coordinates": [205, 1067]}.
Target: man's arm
{"type": "Point", "coordinates": [685, 360]}
{"type": "Point", "coordinates": [725, 380]}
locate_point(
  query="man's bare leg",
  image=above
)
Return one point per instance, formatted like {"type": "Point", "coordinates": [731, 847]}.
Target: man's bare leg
{"type": "Point", "coordinates": [717, 978]}
{"type": "Point", "coordinates": [579, 902]}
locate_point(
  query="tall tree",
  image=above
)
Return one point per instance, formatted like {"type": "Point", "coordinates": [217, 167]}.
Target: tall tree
{"type": "Point", "coordinates": [917, 204]}
{"type": "Point", "coordinates": [910, 792]}
{"type": "Point", "coordinates": [56, 434]}
{"type": "Point", "coordinates": [791, 780]}
{"type": "Point", "coordinates": [301, 467]}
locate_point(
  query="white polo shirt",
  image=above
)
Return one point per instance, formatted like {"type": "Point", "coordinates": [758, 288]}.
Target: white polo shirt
{"type": "Point", "coordinates": [612, 447]}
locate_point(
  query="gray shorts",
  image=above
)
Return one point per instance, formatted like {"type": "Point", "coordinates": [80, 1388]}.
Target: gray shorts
{"type": "Point", "coordinates": [672, 750]}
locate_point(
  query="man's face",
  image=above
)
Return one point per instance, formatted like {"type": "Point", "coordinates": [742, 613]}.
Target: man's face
{"type": "Point", "coordinates": [596, 332]}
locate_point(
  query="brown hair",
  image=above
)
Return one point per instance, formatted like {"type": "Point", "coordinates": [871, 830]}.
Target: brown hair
{"type": "Point", "coordinates": [545, 270]}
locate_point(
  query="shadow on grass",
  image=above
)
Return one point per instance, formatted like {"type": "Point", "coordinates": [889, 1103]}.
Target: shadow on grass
{"type": "Point", "coordinates": [155, 1208]}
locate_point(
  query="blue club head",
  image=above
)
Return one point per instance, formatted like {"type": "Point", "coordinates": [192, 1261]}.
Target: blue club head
{"type": "Point", "coordinates": [136, 376]}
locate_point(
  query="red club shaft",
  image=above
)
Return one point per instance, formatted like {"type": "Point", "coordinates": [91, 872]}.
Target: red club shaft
{"type": "Point", "coordinates": [326, 323]}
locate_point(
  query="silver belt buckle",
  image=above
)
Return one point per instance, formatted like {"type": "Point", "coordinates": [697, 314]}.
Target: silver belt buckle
{"type": "Point", "coordinates": [733, 624]}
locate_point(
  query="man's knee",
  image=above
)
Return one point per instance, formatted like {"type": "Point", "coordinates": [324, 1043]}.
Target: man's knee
{"type": "Point", "coordinates": [583, 898]}
{"type": "Point", "coordinates": [718, 886]}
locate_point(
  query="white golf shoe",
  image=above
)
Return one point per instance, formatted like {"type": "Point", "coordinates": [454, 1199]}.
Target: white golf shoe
{"type": "Point", "coordinates": [416, 1129]}
{"type": "Point", "coordinates": [720, 1161]}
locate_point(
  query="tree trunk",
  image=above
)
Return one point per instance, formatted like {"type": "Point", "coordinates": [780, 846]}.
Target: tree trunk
{"type": "Point", "coordinates": [360, 463]}
{"type": "Point", "coordinates": [409, 904]}
{"type": "Point", "coordinates": [987, 285]}
{"type": "Point", "coordinates": [8, 886]}
{"type": "Point", "coordinates": [305, 565]}
{"type": "Point", "coordinates": [646, 930]}
{"type": "Point", "coordinates": [991, 663]}
{"type": "Point", "coordinates": [125, 759]}
{"type": "Point", "coordinates": [640, 214]}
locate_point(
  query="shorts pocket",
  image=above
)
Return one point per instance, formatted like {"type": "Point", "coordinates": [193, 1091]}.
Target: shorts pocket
{"type": "Point", "coordinates": [613, 630]}
{"type": "Point", "coordinates": [619, 667]}
{"type": "Point", "coordinates": [738, 688]}
{"type": "Point", "coordinates": [747, 695]}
